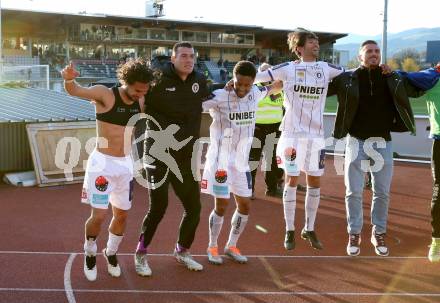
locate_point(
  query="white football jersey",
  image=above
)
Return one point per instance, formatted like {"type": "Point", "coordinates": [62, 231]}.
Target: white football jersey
{"type": "Point", "coordinates": [305, 87]}
{"type": "Point", "coordinates": [232, 128]}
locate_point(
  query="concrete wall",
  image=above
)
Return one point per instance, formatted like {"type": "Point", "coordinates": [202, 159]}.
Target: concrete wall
{"type": "Point", "coordinates": [403, 143]}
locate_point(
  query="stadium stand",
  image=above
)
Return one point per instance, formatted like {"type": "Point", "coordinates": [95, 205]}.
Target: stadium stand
{"type": "Point", "coordinates": [229, 66]}
{"type": "Point", "coordinates": [213, 70]}
{"type": "Point", "coordinates": [95, 69]}
{"type": "Point", "coordinates": [21, 60]}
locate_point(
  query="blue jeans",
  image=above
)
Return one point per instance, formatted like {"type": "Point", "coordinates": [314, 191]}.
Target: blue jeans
{"type": "Point", "coordinates": [359, 154]}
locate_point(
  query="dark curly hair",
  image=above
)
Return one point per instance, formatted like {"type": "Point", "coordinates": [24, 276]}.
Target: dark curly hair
{"type": "Point", "coordinates": [298, 38]}
{"type": "Point", "coordinates": [133, 71]}
{"type": "Point", "coordinates": [245, 68]}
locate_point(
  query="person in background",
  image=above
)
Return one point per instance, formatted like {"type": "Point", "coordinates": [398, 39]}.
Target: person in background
{"type": "Point", "coordinates": [269, 116]}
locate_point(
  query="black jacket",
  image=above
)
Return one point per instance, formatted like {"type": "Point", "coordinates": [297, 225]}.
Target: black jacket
{"type": "Point", "coordinates": [346, 87]}
{"type": "Point", "coordinates": [173, 101]}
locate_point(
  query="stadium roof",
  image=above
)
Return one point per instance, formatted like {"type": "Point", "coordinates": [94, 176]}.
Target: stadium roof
{"type": "Point", "coordinates": [38, 105]}
{"type": "Point", "coordinates": [62, 18]}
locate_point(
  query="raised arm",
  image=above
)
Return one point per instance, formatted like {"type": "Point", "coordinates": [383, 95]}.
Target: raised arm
{"type": "Point", "coordinates": [275, 88]}
{"type": "Point", "coordinates": [278, 72]}
{"type": "Point", "coordinates": [424, 79]}
{"type": "Point", "coordinates": [97, 93]}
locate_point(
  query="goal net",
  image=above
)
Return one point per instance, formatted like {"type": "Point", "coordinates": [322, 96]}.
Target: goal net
{"type": "Point", "coordinates": [35, 76]}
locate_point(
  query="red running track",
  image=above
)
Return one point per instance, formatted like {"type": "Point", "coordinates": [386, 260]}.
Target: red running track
{"type": "Point", "coordinates": [41, 251]}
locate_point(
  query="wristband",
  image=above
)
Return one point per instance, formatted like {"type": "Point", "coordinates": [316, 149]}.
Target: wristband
{"type": "Point", "coordinates": [69, 81]}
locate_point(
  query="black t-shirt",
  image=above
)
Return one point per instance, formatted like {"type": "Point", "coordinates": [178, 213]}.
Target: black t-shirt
{"type": "Point", "coordinates": [376, 111]}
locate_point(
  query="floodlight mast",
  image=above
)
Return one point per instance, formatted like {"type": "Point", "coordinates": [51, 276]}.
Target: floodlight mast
{"type": "Point", "coordinates": [384, 32]}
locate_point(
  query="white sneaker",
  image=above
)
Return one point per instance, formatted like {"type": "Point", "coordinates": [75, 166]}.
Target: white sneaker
{"type": "Point", "coordinates": [354, 245]}
{"type": "Point", "coordinates": [113, 267]}
{"type": "Point", "coordinates": [141, 265]}
{"type": "Point", "coordinates": [186, 259]}
{"type": "Point", "coordinates": [90, 270]}
{"type": "Point", "coordinates": [235, 254]}
{"type": "Point", "coordinates": [434, 250]}
{"type": "Point", "coordinates": [380, 247]}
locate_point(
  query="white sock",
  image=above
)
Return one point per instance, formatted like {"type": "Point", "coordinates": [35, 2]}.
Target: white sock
{"type": "Point", "coordinates": [289, 204]}
{"type": "Point", "coordinates": [312, 202]}
{"type": "Point", "coordinates": [215, 226]}
{"type": "Point", "coordinates": [90, 247]}
{"type": "Point", "coordinates": [113, 244]}
{"type": "Point", "coordinates": [238, 223]}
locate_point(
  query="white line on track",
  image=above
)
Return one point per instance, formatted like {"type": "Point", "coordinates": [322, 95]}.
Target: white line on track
{"type": "Point", "coordinates": [67, 282]}
{"type": "Point", "coordinates": [249, 256]}
{"type": "Point", "coordinates": [206, 292]}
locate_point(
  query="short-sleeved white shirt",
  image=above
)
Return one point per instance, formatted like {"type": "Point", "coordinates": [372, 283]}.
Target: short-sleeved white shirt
{"type": "Point", "coordinates": [305, 86]}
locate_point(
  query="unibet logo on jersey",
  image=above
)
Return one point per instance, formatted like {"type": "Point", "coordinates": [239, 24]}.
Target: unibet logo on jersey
{"type": "Point", "coordinates": [242, 118]}
{"type": "Point", "coordinates": [308, 92]}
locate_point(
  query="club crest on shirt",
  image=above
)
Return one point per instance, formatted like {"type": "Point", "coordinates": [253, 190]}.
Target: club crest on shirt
{"type": "Point", "coordinates": [101, 183]}
{"type": "Point", "coordinates": [221, 176]}
{"type": "Point", "coordinates": [195, 88]}
{"type": "Point", "coordinates": [290, 154]}
{"type": "Point", "coordinates": [318, 73]}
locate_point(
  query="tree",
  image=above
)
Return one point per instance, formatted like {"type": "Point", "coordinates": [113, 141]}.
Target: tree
{"type": "Point", "coordinates": [410, 65]}
{"type": "Point", "coordinates": [407, 53]}
{"type": "Point", "coordinates": [353, 63]}
{"type": "Point", "coordinates": [392, 63]}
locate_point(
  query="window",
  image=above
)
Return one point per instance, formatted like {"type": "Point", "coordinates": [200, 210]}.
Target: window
{"type": "Point", "coordinates": [202, 37]}
{"type": "Point", "coordinates": [216, 37]}
{"type": "Point", "coordinates": [249, 39]}
{"type": "Point", "coordinates": [173, 35]}
{"type": "Point", "coordinates": [157, 34]}
{"type": "Point", "coordinates": [188, 36]}
{"type": "Point", "coordinates": [195, 36]}
{"type": "Point", "coordinates": [244, 39]}
{"type": "Point", "coordinates": [228, 38]}
{"type": "Point", "coordinates": [142, 33]}
{"type": "Point", "coordinates": [240, 39]}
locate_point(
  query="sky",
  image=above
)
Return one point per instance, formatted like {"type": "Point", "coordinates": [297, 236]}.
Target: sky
{"type": "Point", "coordinates": [342, 16]}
